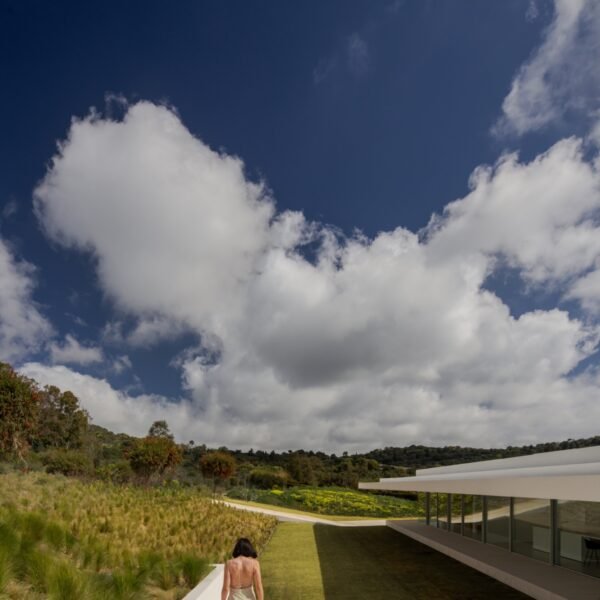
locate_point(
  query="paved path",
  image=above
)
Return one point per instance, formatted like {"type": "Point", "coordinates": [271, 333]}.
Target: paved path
{"type": "Point", "coordinates": [297, 518]}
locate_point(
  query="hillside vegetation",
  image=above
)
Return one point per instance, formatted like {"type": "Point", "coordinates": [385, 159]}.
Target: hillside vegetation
{"type": "Point", "coordinates": [64, 538]}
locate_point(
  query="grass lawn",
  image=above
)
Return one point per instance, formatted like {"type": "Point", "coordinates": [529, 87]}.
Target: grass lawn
{"type": "Point", "coordinates": [317, 562]}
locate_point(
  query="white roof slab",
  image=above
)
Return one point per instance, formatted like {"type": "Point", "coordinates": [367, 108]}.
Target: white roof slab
{"type": "Point", "coordinates": [562, 475]}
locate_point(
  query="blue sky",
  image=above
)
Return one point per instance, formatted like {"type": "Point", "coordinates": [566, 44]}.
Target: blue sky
{"type": "Point", "coordinates": [238, 236]}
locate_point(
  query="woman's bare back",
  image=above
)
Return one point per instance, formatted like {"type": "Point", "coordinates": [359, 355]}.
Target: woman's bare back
{"type": "Point", "coordinates": [241, 571]}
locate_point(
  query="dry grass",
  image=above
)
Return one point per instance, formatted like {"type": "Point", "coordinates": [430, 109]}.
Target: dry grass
{"type": "Point", "coordinates": [66, 538]}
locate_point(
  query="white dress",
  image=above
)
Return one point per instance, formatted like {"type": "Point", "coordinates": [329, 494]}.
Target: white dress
{"type": "Point", "coordinates": [246, 593]}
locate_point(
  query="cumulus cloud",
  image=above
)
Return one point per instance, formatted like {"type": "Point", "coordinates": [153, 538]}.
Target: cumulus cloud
{"type": "Point", "coordinates": [72, 352]}
{"type": "Point", "coordinates": [561, 75]}
{"type": "Point", "coordinates": [110, 408]}
{"type": "Point", "coordinates": [23, 329]}
{"type": "Point", "coordinates": [541, 216]}
{"type": "Point", "coordinates": [175, 225]}
{"type": "Point", "coordinates": [377, 341]}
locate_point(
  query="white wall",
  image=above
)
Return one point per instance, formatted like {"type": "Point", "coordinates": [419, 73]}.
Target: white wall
{"type": "Point", "coordinates": [210, 587]}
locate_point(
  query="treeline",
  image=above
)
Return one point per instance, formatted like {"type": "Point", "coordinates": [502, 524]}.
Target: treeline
{"type": "Point", "coordinates": [421, 457]}
{"type": "Point", "coordinates": [47, 427]}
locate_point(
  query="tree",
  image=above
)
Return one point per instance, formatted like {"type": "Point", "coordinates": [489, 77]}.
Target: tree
{"type": "Point", "coordinates": [267, 478]}
{"type": "Point", "coordinates": [303, 469]}
{"type": "Point", "coordinates": [62, 422]}
{"type": "Point", "coordinates": [160, 429]}
{"type": "Point", "coordinates": [217, 465]}
{"type": "Point", "coordinates": [19, 409]}
{"type": "Point", "coordinates": [153, 455]}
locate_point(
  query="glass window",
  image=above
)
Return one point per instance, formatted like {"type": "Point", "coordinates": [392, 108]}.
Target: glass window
{"type": "Point", "coordinates": [473, 525]}
{"type": "Point", "coordinates": [579, 536]}
{"type": "Point", "coordinates": [456, 513]}
{"type": "Point", "coordinates": [442, 511]}
{"type": "Point", "coordinates": [433, 508]}
{"type": "Point", "coordinates": [422, 507]}
{"type": "Point", "coordinates": [531, 528]}
{"type": "Point", "coordinates": [498, 521]}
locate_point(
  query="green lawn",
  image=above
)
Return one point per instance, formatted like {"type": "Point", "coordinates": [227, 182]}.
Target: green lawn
{"type": "Point", "coordinates": [317, 562]}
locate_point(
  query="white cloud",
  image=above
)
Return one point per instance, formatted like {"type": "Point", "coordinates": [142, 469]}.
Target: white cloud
{"type": "Point", "coordinates": [542, 216]}
{"type": "Point", "coordinates": [323, 69]}
{"type": "Point", "coordinates": [357, 54]}
{"type": "Point", "coordinates": [532, 12]}
{"type": "Point", "coordinates": [113, 409]}
{"type": "Point", "coordinates": [22, 327]}
{"type": "Point", "coordinates": [175, 226]}
{"type": "Point", "coordinates": [72, 352]}
{"type": "Point", "coordinates": [385, 341]}
{"type": "Point", "coordinates": [147, 331]}
{"type": "Point", "coordinates": [562, 74]}
{"type": "Point", "coordinates": [121, 363]}
{"type": "Point", "coordinates": [9, 210]}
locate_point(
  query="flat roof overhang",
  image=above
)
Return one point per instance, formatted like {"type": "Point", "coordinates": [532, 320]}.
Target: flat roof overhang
{"type": "Point", "coordinates": [559, 482]}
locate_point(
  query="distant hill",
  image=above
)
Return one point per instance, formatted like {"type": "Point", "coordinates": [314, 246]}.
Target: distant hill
{"type": "Point", "coordinates": [407, 457]}
{"type": "Point", "coordinates": [419, 457]}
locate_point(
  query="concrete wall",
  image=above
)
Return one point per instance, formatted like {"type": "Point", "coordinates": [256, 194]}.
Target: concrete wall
{"type": "Point", "coordinates": [210, 587]}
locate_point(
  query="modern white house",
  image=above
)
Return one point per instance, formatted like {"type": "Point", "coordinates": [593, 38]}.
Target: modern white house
{"type": "Point", "coordinates": [505, 517]}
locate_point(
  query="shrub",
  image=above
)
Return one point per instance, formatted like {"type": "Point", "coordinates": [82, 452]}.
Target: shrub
{"type": "Point", "coordinates": [117, 472]}
{"type": "Point", "coordinates": [67, 462]}
{"type": "Point", "coordinates": [267, 479]}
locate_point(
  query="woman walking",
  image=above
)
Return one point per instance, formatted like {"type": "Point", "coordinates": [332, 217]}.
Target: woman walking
{"type": "Point", "coordinates": [241, 578]}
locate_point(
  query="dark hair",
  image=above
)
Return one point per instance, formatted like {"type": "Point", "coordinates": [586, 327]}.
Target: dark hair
{"type": "Point", "coordinates": [243, 547]}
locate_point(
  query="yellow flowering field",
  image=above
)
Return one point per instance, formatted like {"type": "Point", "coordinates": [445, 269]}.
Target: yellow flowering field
{"type": "Point", "coordinates": [334, 501]}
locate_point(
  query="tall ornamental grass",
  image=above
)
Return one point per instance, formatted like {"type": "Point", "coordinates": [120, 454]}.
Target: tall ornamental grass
{"type": "Point", "coordinates": [63, 538]}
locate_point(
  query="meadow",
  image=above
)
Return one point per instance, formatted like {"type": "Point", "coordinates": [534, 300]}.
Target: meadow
{"type": "Point", "coordinates": [333, 501]}
{"type": "Point", "coordinates": [65, 538]}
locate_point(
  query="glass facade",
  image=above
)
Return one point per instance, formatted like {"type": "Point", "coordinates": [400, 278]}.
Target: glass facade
{"type": "Point", "coordinates": [498, 521]}
{"type": "Point", "coordinates": [442, 511]}
{"type": "Point", "coordinates": [456, 513]}
{"type": "Point", "coordinates": [562, 532]}
{"type": "Point", "coordinates": [423, 501]}
{"type": "Point", "coordinates": [578, 536]}
{"type": "Point", "coordinates": [473, 519]}
{"type": "Point", "coordinates": [531, 528]}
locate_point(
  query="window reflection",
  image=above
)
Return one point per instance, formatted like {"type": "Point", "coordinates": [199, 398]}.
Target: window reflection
{"type": "Point", "coordinates": [579, 536]}
{"type": "Point", "coordinates": [456, 513]}
{"type": "Point", "coordinates": [498, 521]}
{"type": "Point", "coordinates": [422, 503]}
{"type": "Point", "coordinates": [442, 511]}
{"type": "Point", "coordinates": [531, 528]}
{"type": "Point", "coordinates": [473, 520]}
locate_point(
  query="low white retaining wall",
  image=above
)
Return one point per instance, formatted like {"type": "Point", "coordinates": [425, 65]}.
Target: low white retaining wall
{"type": "Point", "coordinates": [210, 587]}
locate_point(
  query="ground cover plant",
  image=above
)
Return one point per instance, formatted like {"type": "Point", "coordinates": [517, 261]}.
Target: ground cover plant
{"type": "Point", "coordinates": [65, 538]}
{"type": "Point", "coordinates": [333, 501]}
{"type": "Point", "coordinates": [314, 562]}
